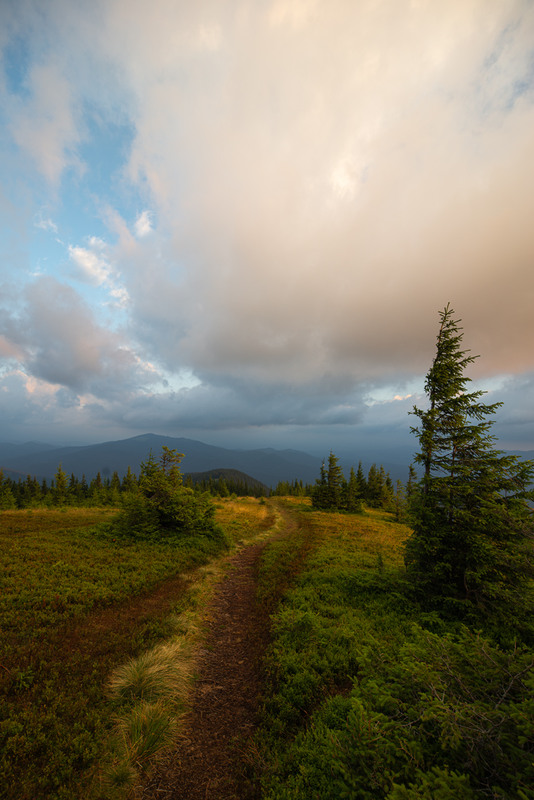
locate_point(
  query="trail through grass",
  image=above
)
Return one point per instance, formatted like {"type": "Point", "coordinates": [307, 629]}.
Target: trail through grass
{"type": "Point", "coordinates": [74, 605]}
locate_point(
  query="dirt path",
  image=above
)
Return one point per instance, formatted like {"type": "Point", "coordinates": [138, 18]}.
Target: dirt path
{"type": "Point", "coordinates": [212, 756]}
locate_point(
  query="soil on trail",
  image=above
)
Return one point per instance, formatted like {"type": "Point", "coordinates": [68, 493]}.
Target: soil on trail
{"type": "Point", "coordinates": [212, 757]}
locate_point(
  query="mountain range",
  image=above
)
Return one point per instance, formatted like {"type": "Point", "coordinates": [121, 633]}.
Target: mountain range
{"type": "Point", "coordinates": [269, 466]}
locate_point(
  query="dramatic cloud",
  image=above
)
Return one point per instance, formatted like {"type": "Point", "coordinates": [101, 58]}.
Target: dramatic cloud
{"type": "Point", "coordinates": [58, 340]}
{"type": "Point", "coordinates": [264, 207]}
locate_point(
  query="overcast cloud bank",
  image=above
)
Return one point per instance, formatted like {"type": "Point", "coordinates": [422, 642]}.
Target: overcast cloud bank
{"type": "Point", "coordinates": [237, 221]}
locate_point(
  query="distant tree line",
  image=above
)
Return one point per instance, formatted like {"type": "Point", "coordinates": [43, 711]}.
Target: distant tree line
{"type": "Point", "coordinates": [64, 490]}
{"type": "Point", "coordinates": [226, 485]}
{"type": "Point", "coordinates": [331, 491]}
{"type": "Point", "coordinates": [334, 492]}
{"type": "Point", "coordinates": [69, 490]}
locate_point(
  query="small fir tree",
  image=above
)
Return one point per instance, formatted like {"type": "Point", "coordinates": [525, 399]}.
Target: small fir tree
{"type": "Point", "coordinates": [399, 502]}
{"type": "Point", "coordinates": [374, 486]}
{"type": "Point", "coordinates": [362, 482]}
{"type": "Point", "coordinates": [320, 490]}
{"type": "Point", "coordinates": [162, 506]}
{"type": "Point", "coordinates": [129, 481]}
{"type": "Point", "coordinates": [352, 502]}
{"type": "Point", "coordinates": [7, 499]}
{"type": "Point", "coordinates": [60, 487]}
{"type": "Point", "coordinates": [329, 489]}
{"type": "Point", "coordinates": [334, 480]}
{"type": "Point", "coordinates": [470, 517]}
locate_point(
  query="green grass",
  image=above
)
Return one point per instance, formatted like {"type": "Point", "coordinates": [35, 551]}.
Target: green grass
{"type": "Point", "coordinates": [366, 698]}
{"type": "Point", "coordinates": [75, 604]}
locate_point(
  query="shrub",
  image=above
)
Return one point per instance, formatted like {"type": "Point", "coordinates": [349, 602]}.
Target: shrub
{"type": "Point", "coordinates": [161, 506]}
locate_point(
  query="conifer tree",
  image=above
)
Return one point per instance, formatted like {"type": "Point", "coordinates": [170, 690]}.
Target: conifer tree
{"type": "Point", "coordinates": [362, 482]}
{"type": "Point", "coordinates": [387, 492]}
{"type": "Point", "coordinates": [222, 488]}
{"type": "Point", "coordinates": [352, 502]}
{"type": "Point", "coordinates": [411, 484]}
{"type": "Point", "coordinates": [320, 490]}
{"type": "Point", "coordinates": [7, 499]}
{"type": "Point", "coordinates": [60, 487]}
{"type": "Point", "coordinates": [129, 481]}
{"type": "Point", "coordinates": [334, 480]}
{"type": "Point", "coordinates": [471, 518]}
{"type": "Point", "coordinates": [399, 502]}
{"type": "Point", "coordinates": [329, 489]}
{"type": "Point", "coordinates": [162, 506]}
{"type": "Point", "coordinates": [374, 486]}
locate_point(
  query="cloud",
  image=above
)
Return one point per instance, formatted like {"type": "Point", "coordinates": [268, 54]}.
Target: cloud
{"type": "Point", "coordinates": [143, 224]}
{"type": "Point", "coordinates": [322, 178]}
{"type": "Point", "coordinates": [44, 126]}
{"type": "Point", "coordinates": [46, 224]}
{"type": "Point", "coordinates": [57, 340]}
{"type": "Point", "coordinates": [9, 350]}
{"type": "Point", "coordinates": [94, 268]}
{"type": "Point", "coordinates": [334, 183]}
{"type": "Point", "coordinates": [93, 264]}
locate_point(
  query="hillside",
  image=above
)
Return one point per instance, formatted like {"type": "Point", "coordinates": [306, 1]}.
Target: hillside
{"type": "Point", "coordinates": [231, 476]}
{"type": "Point", "coordinates": [268, 466]}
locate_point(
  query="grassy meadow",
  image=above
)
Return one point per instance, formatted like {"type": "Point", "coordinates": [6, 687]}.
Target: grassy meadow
{"type": "Point", "coordinates": [368, 698]}
{"type": "Point", "coordinates": [365, 697]}
{"type": "Point", "coordinates": [75, 605]}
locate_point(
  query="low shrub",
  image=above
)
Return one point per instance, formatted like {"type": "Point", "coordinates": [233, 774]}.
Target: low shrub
{"type": "Point", "coordinates": [364, 701]}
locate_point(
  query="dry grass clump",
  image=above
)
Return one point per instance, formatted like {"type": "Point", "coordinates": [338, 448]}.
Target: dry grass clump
{"type": "Point", "coordinates": [163, 672]}
{"type": "Point", "coordinates": [145, 731]}
{"type": "Point", "coordinates": [153, 690]}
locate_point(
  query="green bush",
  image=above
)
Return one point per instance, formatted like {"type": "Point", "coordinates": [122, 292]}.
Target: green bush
{"type": "Point", "coordinates": [161, 506]}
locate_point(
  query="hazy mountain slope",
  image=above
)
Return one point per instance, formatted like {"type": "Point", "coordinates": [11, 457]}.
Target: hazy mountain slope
{"type": "Point", "coordinates": [268, 466]}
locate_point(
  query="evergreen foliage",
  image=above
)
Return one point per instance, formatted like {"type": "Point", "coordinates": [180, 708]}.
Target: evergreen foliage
{"type": "Point", "coordinates": [162, 506]}
{"type": "Point", "coordinates": [60, 487]}
{"type": "Point", "coordinates": [225, 482]}
{"type": "Point", "coordinates": [7, 499]}
{"type": "Point", "coordinates": [330, 489]}
{"type": "Point", "coordinates": [294, 488]}
{"type": "Point", "coordinates": [332, 492]}
{"type": "Point", "coordinates": [471, 518]}
{"type": "Point", "coordinates": [29, 493]}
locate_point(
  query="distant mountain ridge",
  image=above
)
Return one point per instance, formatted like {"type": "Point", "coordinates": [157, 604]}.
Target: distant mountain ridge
{"type": "Point", "coordinates": [268, 466]}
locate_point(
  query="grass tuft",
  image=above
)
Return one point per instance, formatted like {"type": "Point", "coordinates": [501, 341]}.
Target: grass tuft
{"type": "Point", "coordinates": [163, 672]}
{"type": "Point", "coordinates": [145, 731]}
{"type": "Point", "coordinates": [121, 775]}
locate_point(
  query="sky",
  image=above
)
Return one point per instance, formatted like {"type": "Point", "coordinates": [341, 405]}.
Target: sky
{"type": "Point", "coordinates": [237, 220]}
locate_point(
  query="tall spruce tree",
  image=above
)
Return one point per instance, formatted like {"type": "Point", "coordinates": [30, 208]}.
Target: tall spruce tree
{"type": "Point", "coordinates": [328, 490]}
{"type": "Point", "coordinates": [472, 522]}
{"type": "Point", "coordinates": [320, 490]}
{"type": "Point", "coordinates": [334, 480]}
{"type": "Point", "coordinates": [351, 501]}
